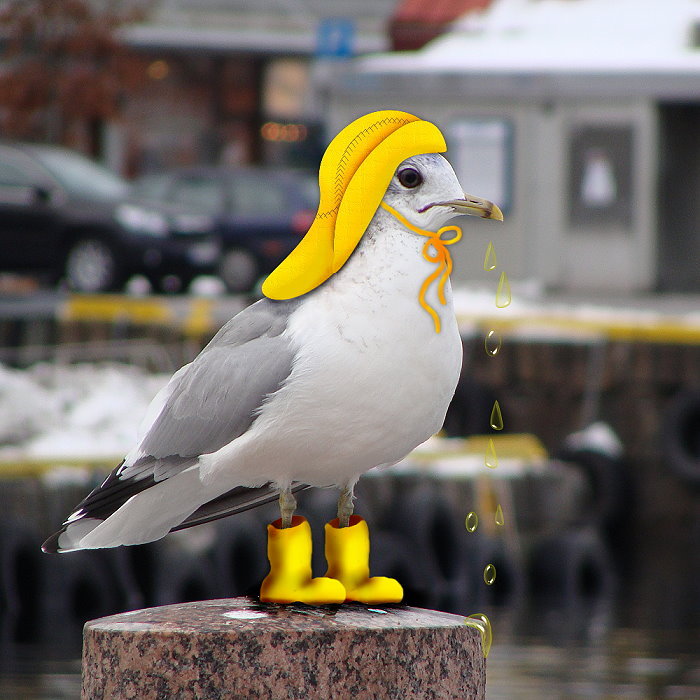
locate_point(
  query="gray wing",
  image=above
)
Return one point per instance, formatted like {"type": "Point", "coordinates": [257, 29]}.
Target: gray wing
{"type": "Point", "coordinates": [218, 396]}
{"type": "Point", "coordinates": [208, 404]}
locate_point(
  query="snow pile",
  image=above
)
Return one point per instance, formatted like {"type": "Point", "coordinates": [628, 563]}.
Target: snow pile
{"type": "Point", "coordinates": [86, 410]}
{"type": "Point", "coordinates": [26, 407]}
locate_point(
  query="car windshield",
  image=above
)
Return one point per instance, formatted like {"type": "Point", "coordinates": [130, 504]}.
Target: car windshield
{"type": "Point", "coordinates": [80, 176]}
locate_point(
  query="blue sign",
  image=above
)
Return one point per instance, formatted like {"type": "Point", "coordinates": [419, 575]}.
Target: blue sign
{"type": "Point", "coordinates": [335, 38]}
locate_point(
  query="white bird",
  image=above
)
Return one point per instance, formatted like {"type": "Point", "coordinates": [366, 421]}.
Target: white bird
{"type": "Point", "coordinates": [314, 390]}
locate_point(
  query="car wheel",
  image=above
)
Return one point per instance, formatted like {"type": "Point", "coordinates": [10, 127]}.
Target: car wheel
{"type": "Point", "coordinates": [91, 266]}
{"type": "Point", "coordinates": [239, 270]}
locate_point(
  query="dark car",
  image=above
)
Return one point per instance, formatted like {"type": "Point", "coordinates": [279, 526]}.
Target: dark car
{"type": "Point", "coordinates": [63, 215]}
{"type": "Point", "coordinates": [261, 213]}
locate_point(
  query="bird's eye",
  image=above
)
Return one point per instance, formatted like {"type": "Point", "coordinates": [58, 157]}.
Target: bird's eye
{"type": "Point", "coordinates": [410, 178]}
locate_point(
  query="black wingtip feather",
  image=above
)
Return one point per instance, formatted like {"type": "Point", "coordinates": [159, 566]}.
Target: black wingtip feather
{"type": "Point", "coordinates": [237, 500]}
{"type": "Point", "coordinates": [51, 544]}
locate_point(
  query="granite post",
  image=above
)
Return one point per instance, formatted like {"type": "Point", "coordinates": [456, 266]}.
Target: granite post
{"type": "Point", "coordinates": [239, 648]}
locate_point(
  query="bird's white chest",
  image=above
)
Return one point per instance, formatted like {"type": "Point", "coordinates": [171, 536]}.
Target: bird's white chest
{"type": "Point", "coordinates": [372, 379]}
{"type": "Point", "coordinates": [385, 356]}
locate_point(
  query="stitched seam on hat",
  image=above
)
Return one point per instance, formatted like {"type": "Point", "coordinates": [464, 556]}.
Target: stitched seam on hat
{"type": "Point", "coordinates": [344, 159]}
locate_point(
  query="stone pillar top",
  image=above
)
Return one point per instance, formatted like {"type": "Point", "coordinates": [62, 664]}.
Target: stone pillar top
{"type": "Point", "coordinates": [242, 648]}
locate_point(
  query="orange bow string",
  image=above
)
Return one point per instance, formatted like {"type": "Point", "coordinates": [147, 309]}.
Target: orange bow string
{"type": "Point", "coordinates": [435, 251]}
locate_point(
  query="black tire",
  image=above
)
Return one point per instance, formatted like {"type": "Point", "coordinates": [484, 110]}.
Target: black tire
{"type": "Point", "coordinates": [239, 269]}
{"type": "Point", "coordinates": [81, 586]}
{"type": "Point", "coordinates": [181, 573]}
{"type": "Point", "coordinates": [390, 555]}
{"type": "Point", "coordinates": [20, 569]}
{"type": "Point", "coordinates": [469, 410]}
{"type": "Point", "coordinates": [240, 554]}
{"type": "Point", "coordinates": [571, 566]}
{"type": "Point", "coordinates": [612, 488]}
{"type": "Point", "coordinates": [510, 583]}
{"type": "Point", "coordinates": [680, 437]}
{"type": "Point", "coordinates": [434, 538]}
{"type": "Point", "coordinates": [92, 266]}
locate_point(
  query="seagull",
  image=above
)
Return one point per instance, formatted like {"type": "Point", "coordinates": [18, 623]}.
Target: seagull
{"type": "Point", "coordinates": [348, 363]}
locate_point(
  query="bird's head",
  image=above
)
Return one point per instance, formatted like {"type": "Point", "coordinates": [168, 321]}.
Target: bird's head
{"type": "Point", "coordinates": [375, 158]}
{"type": "Point", "coordinates": [426, 191]}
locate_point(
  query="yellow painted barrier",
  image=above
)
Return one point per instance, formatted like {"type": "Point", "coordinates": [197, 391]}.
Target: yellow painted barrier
{"type": "Point", "coordinates": [200, 318]}
{"type": "Point", "coordinates": [549, 327]}
{"type": "Point", "coordinates": [524, 446]}
{"type": "Point", "coordinates": [115, 307]}
{"type": "Point", "coordinates": [27, 468]}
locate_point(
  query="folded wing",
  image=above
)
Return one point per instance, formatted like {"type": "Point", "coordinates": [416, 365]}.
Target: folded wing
{"type": "Point", "coordinates": [205, 406]}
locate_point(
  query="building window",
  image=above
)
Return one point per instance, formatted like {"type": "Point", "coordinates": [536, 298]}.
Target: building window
{"type": "Point", "coordinates": [600, 177]}
{"type": "Point", "coordinates": [481, 151]}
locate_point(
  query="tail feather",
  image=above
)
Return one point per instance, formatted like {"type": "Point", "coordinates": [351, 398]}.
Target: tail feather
{"type": "Point", "coordinates": [139, 525]}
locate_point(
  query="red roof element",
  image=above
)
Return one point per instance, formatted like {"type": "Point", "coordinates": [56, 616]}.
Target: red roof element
{"type": "Point", "coordinates": [415, 22]}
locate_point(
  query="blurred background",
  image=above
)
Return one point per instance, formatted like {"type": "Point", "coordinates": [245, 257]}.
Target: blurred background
{"type": "Point", "coordinates": [159, 157]}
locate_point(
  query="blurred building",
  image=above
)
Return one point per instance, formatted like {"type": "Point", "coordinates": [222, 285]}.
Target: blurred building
{"type": "Point", "coordinates": [229, 80]}
{"type": "Point", "coordinates": [581, 119]}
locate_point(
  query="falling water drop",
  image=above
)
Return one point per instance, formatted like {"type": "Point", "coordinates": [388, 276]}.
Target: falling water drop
{"type": "Point", "coordinates": [483, 624]}
{"type": "Point", "coordinates": [503, 297]}
{"type": "Point", "coordinates": [490, 262]}
{"type": "Point", "coordinates": [492, 343]}
{"type": "Point", "coordinates": [489, 574]}
{"type": "Point", "coordinates": [499, 515]}
{"type": "Point", "coordinates": [491, 458]}
{"type": "Point", "coordinates": [472, 521]}
{"type": "Point", "coordinates": [496, 420]}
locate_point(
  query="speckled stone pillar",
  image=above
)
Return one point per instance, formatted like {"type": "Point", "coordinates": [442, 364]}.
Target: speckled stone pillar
{"type": "Point", "coordinates": [239, 648]}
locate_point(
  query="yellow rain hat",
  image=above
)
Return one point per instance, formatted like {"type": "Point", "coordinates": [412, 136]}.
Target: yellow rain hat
{"type": "Point", "coordinates": [354, 174]}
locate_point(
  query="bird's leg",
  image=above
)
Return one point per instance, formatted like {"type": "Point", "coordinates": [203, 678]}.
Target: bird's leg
{"type": "Point", "coordinates": [345, 506]}
{"type": "Point", "coordinates": [288, 504]}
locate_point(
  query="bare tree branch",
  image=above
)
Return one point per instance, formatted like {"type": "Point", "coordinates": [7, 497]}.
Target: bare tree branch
{"type": "Point", "coordinates": [62, 64]}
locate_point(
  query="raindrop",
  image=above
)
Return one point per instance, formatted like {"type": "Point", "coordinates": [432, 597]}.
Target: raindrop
{"type": "Point", "coordinates": [499, 515]}
{"type": "Point", "coordinates": [490, 262]}
{"type": "Point", "coordinates": [491, 458]}
{"type": "Point", "coordinates": [483, 624]}
{"type": "Point", "coordinates": [492, 343]}
{"type": "Point", "coordinates": [472, 521]}
{"type": "Point", "coordinates": [489, 574]}
{"type": "Point", "coordinates": [503, 297]}
{"type": "Point", "coordinates": [496, 420]}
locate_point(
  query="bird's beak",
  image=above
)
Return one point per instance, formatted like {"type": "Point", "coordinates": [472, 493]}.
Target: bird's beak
{"type": "Point", "coordinates": [473, 206]}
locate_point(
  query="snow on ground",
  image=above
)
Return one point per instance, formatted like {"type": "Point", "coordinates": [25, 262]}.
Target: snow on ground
{"type": "Point", "coordinates": [73, 411]}
{"type": "Point", "coordinates": [534, 315]}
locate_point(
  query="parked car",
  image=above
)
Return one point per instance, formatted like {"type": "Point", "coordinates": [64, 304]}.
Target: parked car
{"type": "Point", "coordinates": [65, 216]}
{"type": "Point", "coordinates": [261, 213]}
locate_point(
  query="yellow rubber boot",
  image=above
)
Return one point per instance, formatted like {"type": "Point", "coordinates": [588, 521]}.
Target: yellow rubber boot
{"type": "Point", "coordinates": [347, 554]}
{"type": "Point", "coordinates": [289, 580]}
